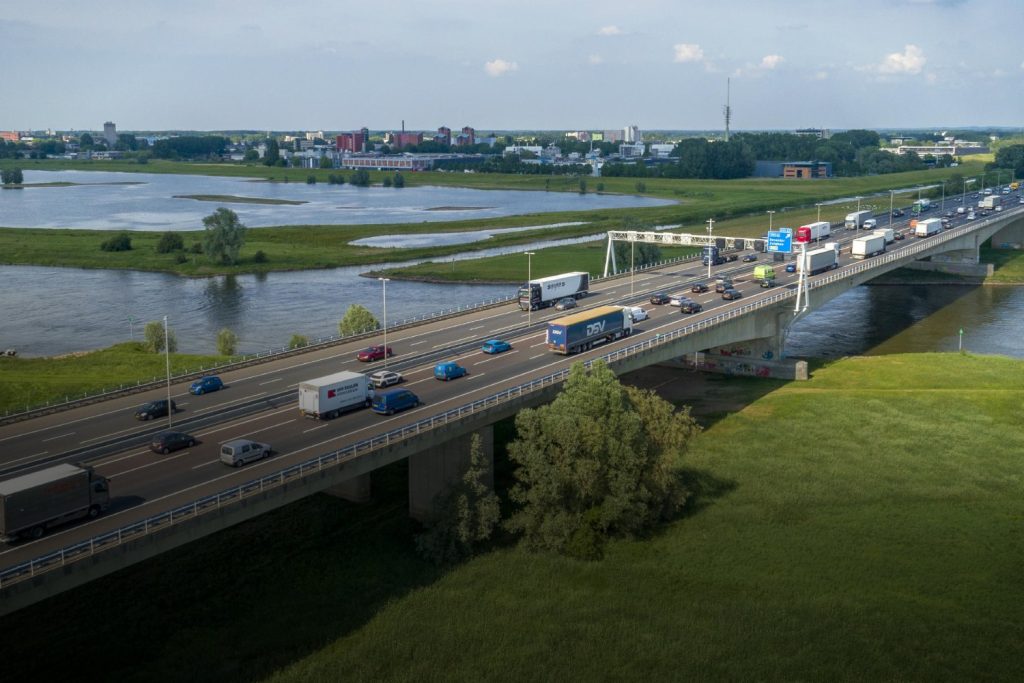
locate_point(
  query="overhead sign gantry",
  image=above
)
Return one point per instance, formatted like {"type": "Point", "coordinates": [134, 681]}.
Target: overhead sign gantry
{"type": "Point", "coordinates": [674, 239]}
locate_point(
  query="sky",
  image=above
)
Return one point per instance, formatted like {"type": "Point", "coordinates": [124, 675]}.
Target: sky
{"type": "Point", "coordinates": [510, 64]}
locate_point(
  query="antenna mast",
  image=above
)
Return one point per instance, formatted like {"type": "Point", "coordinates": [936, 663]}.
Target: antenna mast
{"type": "Point", "coordinates": [727, 110]}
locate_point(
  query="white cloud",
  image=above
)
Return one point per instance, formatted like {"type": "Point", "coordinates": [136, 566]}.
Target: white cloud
{"type": "Point", "coordinates": [612, 30]}
{"type": "Point", "coordinates": [771, 61]}
{"type": "Point", "coordinates": [1022, 65]}
{"type": "Point", "coordinates": [931, 78]}
{"type": "Point", "coordinates": [820, 75]}
{"type": "Point", "coordinates": [910, 61]}
{"type": "Point", "coordinates": [595, 59]}
{"type": "Point", "coordinates": [688, 52]}
{"type": "Point", "coordinates": [499, 67]}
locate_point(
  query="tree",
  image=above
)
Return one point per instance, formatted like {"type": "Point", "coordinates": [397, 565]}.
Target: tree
{"type": "Point", "coordinates": [85, 141]}
{"type": "Point", "coordinates": [643, 254]}
{"type": "Point", "coordinates": [11, 176]}
{"type": "Point", "coordinates": [298, 341]}
{"type": "Point", "coordinates": [386, 182]}
{"type": "Point", "coordinates": [120, 242]}
{"type": "Point", "coordinates": [465, 516]}
{"type": "Point", "coordinates": [227, 342]}
{"type": "Point", "coordinates": [399, 180]}
{"type": "Point", "coordinates": [311, 179]}
{"type": "Point", "coordinates": [583, 185]}
{"type": "Point", "coordinates": [599, 461]}
{"type": "Point", "coordinates": [360, 178]}
{"type": "Point", "coordinates": [273, 153]}
{"type": "Point", "coordinates": [325, 162]}
{"type": "Point", "coordinates": [357, 320]}
{"type": "Point", "coordinates": [251, 155]}
{"type": "Point", "coordinates": [224, 236]}
{"type": "Point", "coordinates": [154, 335]}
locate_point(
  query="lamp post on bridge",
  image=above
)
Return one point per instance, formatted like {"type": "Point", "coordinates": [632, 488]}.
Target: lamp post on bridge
{"type": "Point", "coordinates": [711, 224]}
{"type": "Point", "coordinates": [819, 211]}
{"type": "Point", "coordinates": [529, 287]}
{"type": "Point", "coordinates": [167, 358]}
{"type": "Point", "coordinates": [892, 195]}
{"type": "Point", "coordinates": [858, 211]}
{"type": "Point", "coordinates": [632, 268]}
{"type": "Point", "coordinates": [384, 291]}
{"type": "Point", "coordinates": [770, 214]}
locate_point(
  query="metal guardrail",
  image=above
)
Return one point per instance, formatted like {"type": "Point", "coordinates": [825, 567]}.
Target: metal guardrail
{"type": "Point", "coordinates": [59, 558]}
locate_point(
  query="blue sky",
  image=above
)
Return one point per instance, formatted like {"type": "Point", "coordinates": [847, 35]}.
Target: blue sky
{"type": "Point", "coordinates": [500, 64]}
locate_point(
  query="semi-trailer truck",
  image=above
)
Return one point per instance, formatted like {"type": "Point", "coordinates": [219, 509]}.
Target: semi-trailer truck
{"type": "Point", "coordinates": [927, 228]}
{"type": "Point", "coordinates": [819, 260]}
{"type": "Point", "coordinates": [888, 233]}
{"type": "Point", "coordinates": [546, 291]}
{"type": "Point", "coordinates": [327, 397]}
{"type": "Point", "coordinates": [581, 331]}
{"type": "Point", "coordinates": [34, 502]}
{"type": "Point", "coordinates": [812, 232]}
{"type": "Point", "coordinates": [855, 219]}
{"type": "Point", "coordinates": [866, 247]}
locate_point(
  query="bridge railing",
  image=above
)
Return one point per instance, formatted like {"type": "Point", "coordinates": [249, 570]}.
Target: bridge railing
{"type": "Point", "coordinates": [112, 539]}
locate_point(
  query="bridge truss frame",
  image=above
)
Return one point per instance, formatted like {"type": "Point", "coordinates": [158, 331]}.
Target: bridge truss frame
{"type": "Point", "coordinates": [674, 239]}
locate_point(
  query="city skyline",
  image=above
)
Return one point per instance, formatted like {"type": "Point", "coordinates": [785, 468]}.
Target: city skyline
{"type": "Point", "coordinates": [315, 65]}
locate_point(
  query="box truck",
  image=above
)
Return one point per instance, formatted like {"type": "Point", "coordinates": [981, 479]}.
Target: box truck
{"type": "Point", "coordinates": [580, 331]}
{"type": "Point", "coordinates": [818, 230]}
{"type": "Point", "coordinates": [920, 205]}
{"type": "Point", "coordinates": [927, 228]}
{"type": "Point", "coordinates": [990, 202]}
{"type": "Point", "coordinates": [327, 397]}
{"type": "Point", "coordinates": [546, 291]}
{"type": "Point", "coordinates": [818, 260]}
{"type": "Point", "coordinates": [32, 503]}
{"type": "Point", "coordinates": [888, 233]}
{"type": "Point", "coordinates": [866, 247]}
{"type": "Point", "coordinates": [856, 219]}
{"type": "Point", "coordinates": [762, 273]}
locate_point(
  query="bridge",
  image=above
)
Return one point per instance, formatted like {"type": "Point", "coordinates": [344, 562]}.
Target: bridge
{"type": "Point", "coordinates": [162, 502]}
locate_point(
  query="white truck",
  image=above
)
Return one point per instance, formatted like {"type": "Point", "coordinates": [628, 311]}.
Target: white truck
{"type": "Point", "coordinates": [546, 291]}
{"type": "Point", "coordinates": [818, 230]}
{"type": "Point", "coordinates": [928, 227]}
{"type": "Point", "coordinates": [32, 503]}
{"type": "Point", "coordinates": [866, 247]}
{"type": "Point", "coordinates": [819, 260]}
{"type": "Point", "coordinates": [888, 233]}
{"type": "Point", "coordinates": [990, 202]}
{"type": "Point", "coordinates": [327, 397]}
{"type": "Point", "coordinates": [855, 219]}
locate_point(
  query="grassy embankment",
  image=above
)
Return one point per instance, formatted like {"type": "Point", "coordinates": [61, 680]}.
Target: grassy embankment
{"type": "Point", "coordinates": [325, 246]}
{"type": "Point", "coordinates": [879, 541]}
{"type": "Point", "coordinates": [36, 381]}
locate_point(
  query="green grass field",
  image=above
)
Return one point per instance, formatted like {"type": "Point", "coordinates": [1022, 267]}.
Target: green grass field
{"type": "Point", "coordinates": [31, 382]}
{"type": "Point", "coordinates": [326, 246]}
{"type": "Point", "coordinates": [863, 525]}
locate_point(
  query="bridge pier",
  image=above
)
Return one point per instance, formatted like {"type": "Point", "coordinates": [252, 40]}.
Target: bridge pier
{"type": "Point", "coordinates": [355, 490]}
{"type": "Point", "coordinates": [1010, 237]}
{"type": "Point", "coordinates": [966, 262]}
{"type": "Point", "coordinates": [433, 470]}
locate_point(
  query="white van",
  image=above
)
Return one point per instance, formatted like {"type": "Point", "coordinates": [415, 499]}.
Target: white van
{"type": "Point", "coordinates": [240, 451]}
{"type": "Point", "coordinates": [636, 313]}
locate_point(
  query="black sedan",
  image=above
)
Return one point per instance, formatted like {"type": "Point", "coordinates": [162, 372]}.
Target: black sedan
{"type": "Point", "coordinates": [165, 442]}
{"type": "Point", "coordinates": [689, 306]}
{"type": "Point", "coordinates": [699, 288]}
{"type": "Point", "coordinates": [749, 257]}
{"type": "Point", "coordinates": [660, 298]}
{"type": "Point", "coordinates": [731, 294]}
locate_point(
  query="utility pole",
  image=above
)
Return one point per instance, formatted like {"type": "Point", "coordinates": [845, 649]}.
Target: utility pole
{"type": "Point", "coordinates": [711, 224]}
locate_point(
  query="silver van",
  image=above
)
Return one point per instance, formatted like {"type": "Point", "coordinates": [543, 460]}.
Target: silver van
{"type": "Point", "coordinates": [240, 451]}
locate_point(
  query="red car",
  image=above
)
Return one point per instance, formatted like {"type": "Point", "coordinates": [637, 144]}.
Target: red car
{"type": "Point", "coordinates": [374, 353]}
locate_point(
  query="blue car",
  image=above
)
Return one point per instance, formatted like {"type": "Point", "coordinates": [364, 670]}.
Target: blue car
{"type": "Point", "coordinates": [391, 402]}
{"type": "Point", "coordinates": [496, 346]}
{"type": "Point", "coordinates": [449, 370]}
{"type": "Point", "coordinates": [204, 385]}
{"type": "Point", "coordinates": [790, 267]}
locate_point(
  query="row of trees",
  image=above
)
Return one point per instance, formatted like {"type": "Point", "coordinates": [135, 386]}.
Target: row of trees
{"type": "Point", "coordinates": [190, 147]}
{"type": "Point", "coordinates": [156, 339]}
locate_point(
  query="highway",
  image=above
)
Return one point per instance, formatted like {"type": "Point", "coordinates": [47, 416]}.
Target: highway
{"type": "Point", "coordinates": [144, 483]}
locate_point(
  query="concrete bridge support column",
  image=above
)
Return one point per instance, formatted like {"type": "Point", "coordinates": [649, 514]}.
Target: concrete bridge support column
{"type": "Point", "coordinates": [1010, 237]}
{"type": "Point", "coordinates": [355, 490]}
{"type": "Point", "coordinates": [966, 262]}
{"type": "Point", "coordinates": [432, 471]}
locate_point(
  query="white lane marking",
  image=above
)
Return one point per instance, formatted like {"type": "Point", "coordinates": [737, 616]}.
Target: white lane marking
{"type": "Point", "coordinates": [204, 464]}
{"type": "Point", "coordinates": [421, 341]}
{"type": "Point", "coordinates": [539, 355]}
{"type": "Point", "coordinates": [279, 424]}
{"type": "Point", "coordinates": [271, 381]}
{"type": "Point", "coordinates": [54, 438]}
{"type": "Point", "coordinates": [161, 461]}
{"type": "Point", "coordinates": [538, 344]}
{"type": "Point", "coordinates": [221, 406]}
{"type": "Point", "coordinates": [475, 375]}
{"type": "Point", "coordinates": [313, 429]}
{"type": "Point", "coordinates": [478, 327]}
{"type": "Point", "coordinates": [485, 360]}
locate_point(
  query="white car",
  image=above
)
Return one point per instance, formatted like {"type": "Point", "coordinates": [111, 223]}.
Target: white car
{"type": "Point", "coordinates": [637, 313]}
{"type": "Point", "coordinates": [385, 378]}
{"type": "Point", "coordinates": [870, 224]}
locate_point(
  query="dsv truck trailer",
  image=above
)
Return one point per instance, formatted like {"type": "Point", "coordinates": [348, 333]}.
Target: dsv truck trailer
{"type": "Point", "coordinates": [580, 331]}
{"type": "Point", "coordinates": [32, 503]}
{"type": "Point", "coordinates": [546, 291]}
{"type": "Point", "coordinates": [327, 397]}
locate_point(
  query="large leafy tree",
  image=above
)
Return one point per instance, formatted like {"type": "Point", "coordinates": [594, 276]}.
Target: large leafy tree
{"type": "Point", "coordinates": [598, 461]}
{"type": "Point", "coordinates": [155, 339]}
{"type": "Point", "coordinates": [357, 320]}
{"type": "Point", "coordinates": [224, 236]}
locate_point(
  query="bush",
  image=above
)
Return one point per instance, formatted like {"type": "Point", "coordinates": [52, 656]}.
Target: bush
{"type": "Point", "coordinates": [197, 248]}
{"type": "Point", "coordinates": [386, 182]}
{"type": "Point", "coordinates": [335, 179]}
{"type": "Point", "coordinates": [170, 241]}
{"type": "Point", "coordinates": [641, 187]}
{"type": "Point", "coordinates": [583, 185]}
{"type": "Point", "coordinates": [399, 180]}
{"type": "Point", "coordinates": [180, 258]}
{"type": "Point", "coordinates": [600, 187]}
{"type": "Point", "coordinates": [122, 242]}
{"type": "Point", "coordinates": [311, 180]}
{"type": "Point", "coordinates": [259, 257]}
{"type": "Point", "coordinates": [227, 341]}
{"type": "Point", "coordinates": [298, 341]}
{"type": "Point", "coordinates": [154, 334]}
{"type": "Point", "coordinates": [357, 320]}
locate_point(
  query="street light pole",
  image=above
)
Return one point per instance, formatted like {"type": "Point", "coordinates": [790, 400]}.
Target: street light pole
{"type": "Point", "coordinates": [384, 292]}
{"type": "Point", "coordinates": [819, 211]}
{"type": "Point", "coordinates": [711, 224]}
{"type": "Point", "coordinates": [529, 287]}
{"type": "Point", "coordinates": [942, 204]}
{"type": "Point", "coordinates": [858, 211]}
{"type": "Point", "coordinates": [892, 194]}
{"type": "Point", "coordinates": [167, 357]}
{"type": "Point", "coordinates": [632, 269]}
{"type": "Point", "coordinates": [770, 220]}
